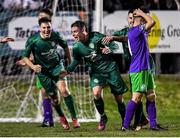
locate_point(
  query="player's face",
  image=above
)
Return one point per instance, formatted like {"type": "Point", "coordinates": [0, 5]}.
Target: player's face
{"type": "Point", "coordinates": [45, 30]}
{"type": "Point", "coordinates": [43, 15]}
{"type": "Point", "coordinates": [130, 19]}
{"type": "Point", "coordinates": [79, 34]}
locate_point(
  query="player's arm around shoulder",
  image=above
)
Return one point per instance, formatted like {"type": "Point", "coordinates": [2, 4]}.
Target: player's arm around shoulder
{"type": "Point", "coordinates": [115, 37]}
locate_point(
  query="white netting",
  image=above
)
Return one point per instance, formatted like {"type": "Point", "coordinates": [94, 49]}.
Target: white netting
{"type": "Point", "coordinates": [19, 97]}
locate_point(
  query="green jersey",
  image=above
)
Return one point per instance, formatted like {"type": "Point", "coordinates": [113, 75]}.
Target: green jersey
{"type": "Point", "coordinates": [92, 53]}
{"type": "Point", "coordinates": [45, 50]}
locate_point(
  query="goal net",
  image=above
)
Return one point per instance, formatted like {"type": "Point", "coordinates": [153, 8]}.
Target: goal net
{"type": "Point", "coordinates": [20, 100]}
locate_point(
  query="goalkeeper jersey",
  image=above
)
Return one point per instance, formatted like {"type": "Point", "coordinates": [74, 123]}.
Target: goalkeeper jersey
{"type": "Point", "coordinates": [92, 53]}
{"type": "Point", "coordinates": [45, 50]}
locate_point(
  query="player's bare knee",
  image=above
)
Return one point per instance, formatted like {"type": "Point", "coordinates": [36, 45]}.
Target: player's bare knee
{"type": "Point", "coordinates": [119, 98]}
{"type": "Point", "coordinates": [97, 96]}
{"type": "Point", "coordinates": [65, 92]}
{"type": "Point", "coordinates": [151, 97]}
{"type": "Point", "coordinates": [55, 101]}
{"type": "Point", "coordinates": [97, 92]}
{"type": "Point", "coordinates": [136, 97]}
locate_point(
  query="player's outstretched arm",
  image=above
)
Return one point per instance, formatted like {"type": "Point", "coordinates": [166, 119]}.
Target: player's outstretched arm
{"type": "Point", "coordinates": [28, 62]}
{"type": "Point", "coordinates": [109, 39]}
{"type": "Point", "coordinates": [6, 39]}
{"type": "Point", "coordinates": [67, 54]}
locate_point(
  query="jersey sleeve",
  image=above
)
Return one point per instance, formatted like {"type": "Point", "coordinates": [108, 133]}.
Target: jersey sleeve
{"type": "Point", "coordinates": [61, 41]}
{"type": "Point", "coordinates": [76, 59]}
{"type": "Point", "coordinates": [28, 48]}
{"type": "Point", "coordinates": [122, 32]}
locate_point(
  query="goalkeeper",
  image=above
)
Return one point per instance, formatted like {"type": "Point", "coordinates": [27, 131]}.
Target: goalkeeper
{"type": "Point", "coordinates": [102, 68]}
{"type": "Point", "coordinates": [47, 64]}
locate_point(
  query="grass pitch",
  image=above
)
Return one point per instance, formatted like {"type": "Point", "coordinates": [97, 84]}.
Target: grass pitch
{"type": "Point", "coordinates": [168, 114]}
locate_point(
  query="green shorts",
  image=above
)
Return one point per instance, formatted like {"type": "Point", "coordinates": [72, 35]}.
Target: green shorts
{"type": "Point", "coordinates": [142, 81]}
{"type": "Point", "coordinates": [48, 79]}
{"type": "Point", "coordinates": [38, 83]}
{"type": "Point", "coordinates": [113, 79]}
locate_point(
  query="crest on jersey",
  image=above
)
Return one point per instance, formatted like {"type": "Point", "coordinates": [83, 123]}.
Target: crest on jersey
{"type": "Point", "coordinates": [143, 87]}
{"type": "Point", "coordinates": [53, 44]}
{"type": "Point", "coordinates": [96, 80]}
{"type": "Point", "coordinates": [91, 45]}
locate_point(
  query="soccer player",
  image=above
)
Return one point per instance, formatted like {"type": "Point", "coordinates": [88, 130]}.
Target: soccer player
{"type": "Point", "coordinates": [48, 115]}
{"type": "Point", "coordinates": [103, 69]}
{"type": "Point", "coordinates": [48, 64]}
{"type": "Point", "coordinates": [6, 39]}
{"type": "Point", "coordinates": [140, 74]}
{"type": "Point", "coordinates": [140, 119]}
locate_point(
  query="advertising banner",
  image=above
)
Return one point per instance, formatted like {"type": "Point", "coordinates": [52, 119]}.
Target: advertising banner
{"type": "Point", "coordinates": [163, 38]}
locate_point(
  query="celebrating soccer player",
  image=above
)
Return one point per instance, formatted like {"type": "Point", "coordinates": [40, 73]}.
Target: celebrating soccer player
{"type": "Point", "coordinates": [47, 65]}
{"type": "Point", "coordinates": [48, 115]}
{"type": "Point", "coordinates": [102, 67]}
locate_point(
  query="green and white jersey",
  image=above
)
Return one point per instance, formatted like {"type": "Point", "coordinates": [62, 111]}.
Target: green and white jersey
{"type": "Point", "coordinates": [45, 50]}
{"type": "Point", "coordinates": [123, 32]}
{"type": "Point", "coordinates": [92, 54]}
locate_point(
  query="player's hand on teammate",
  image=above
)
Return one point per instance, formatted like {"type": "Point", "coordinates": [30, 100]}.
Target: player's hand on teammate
{"type": "Point", "coordinates": [37, 68]}
{"type": "Point", "coordinates": [106, 50]}
{"type": "Point", "coordinates": [6, 39]}
{"type": "Point", "coordinates": [107, 39]}
{"type": "Point", "coordinates": [63, 73]}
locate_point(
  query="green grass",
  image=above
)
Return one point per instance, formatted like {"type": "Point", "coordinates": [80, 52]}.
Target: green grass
{"type": "Point", "coordinates": [168, 114]}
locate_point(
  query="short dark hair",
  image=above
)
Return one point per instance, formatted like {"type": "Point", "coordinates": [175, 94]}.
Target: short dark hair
{"type": "Point", "coordinates": [131, 11]}
{"type": "Point", "coordinates": [79, 24]}
{"type": "Point", "coordinates": [145, 10]}
{"type": "Point", "coordinates": [44, 20]}
{"type": "Point", "coordinates": [47, 11]}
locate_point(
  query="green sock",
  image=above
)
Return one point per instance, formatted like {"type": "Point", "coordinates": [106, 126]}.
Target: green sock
{"type": "Point", "coordinates": [70, 104]}
{"type": "Point", "coordinates": [59, 110]}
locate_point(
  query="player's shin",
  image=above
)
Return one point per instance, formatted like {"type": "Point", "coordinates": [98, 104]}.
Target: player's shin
{"type": "Point", "coordinates": [130, 109]}
{"type": "Point", "coordinates": [47, 109]}
{"type": "Point", "coordinates": [99, 103]}
{"type": "Point", "coordinates": [151, 109]}
{"type": "Point", "coordinates": [71, 107]}
{"type": "Point", "coordinates": [122, 110]}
